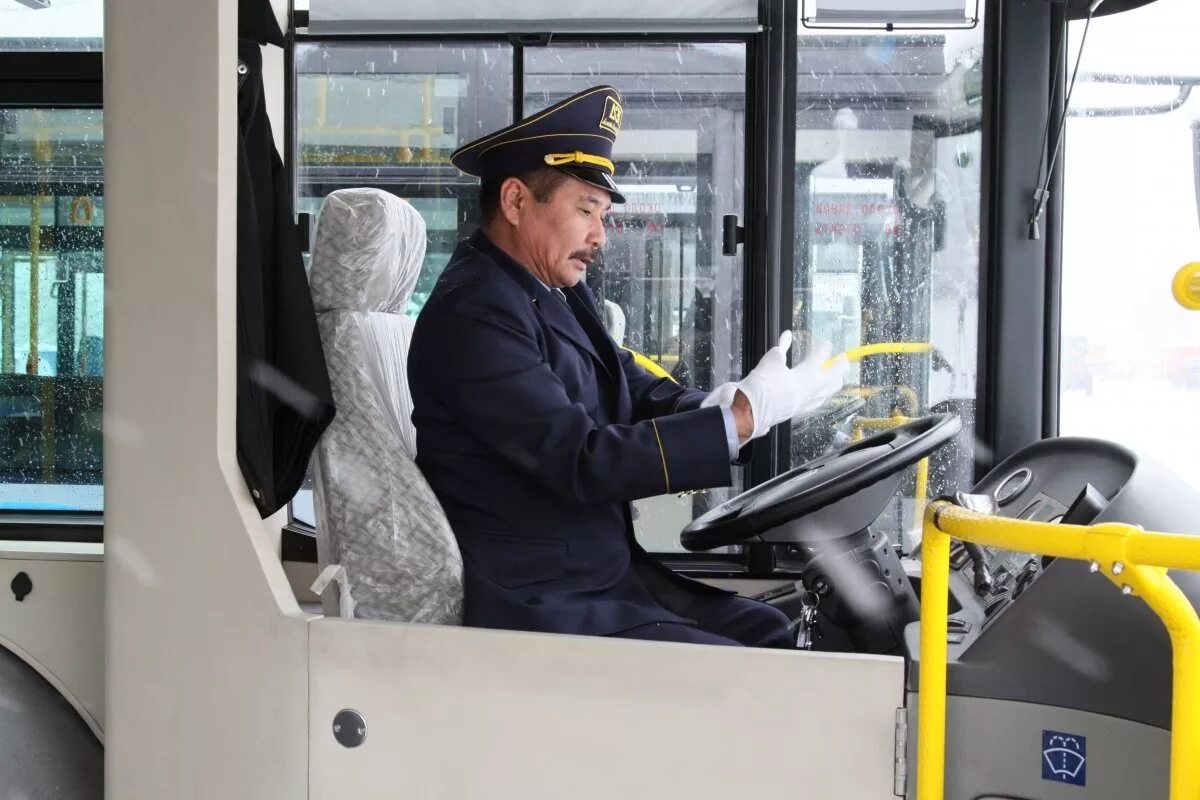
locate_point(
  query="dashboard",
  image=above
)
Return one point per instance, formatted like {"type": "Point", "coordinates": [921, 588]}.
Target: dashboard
{"type": "Point", "coordinates": [1057, 480]}
{"type": "Point", "coordinates": [1048, 631]}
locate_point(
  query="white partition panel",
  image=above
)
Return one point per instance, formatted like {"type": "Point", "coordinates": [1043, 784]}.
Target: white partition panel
{"type": "Point", "coordinates": [58, 628]}
{"type": "Point", "coordinates": [461, 713]}
{"type": "Point", "coordinates": [205, 676]}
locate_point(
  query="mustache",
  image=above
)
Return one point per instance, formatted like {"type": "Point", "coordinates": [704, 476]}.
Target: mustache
{"type": "Point", "coordinates": [585, 256]}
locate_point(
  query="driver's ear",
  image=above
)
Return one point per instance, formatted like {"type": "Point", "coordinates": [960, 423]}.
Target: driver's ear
{"type": "Point", "coordinates": [512, 200]}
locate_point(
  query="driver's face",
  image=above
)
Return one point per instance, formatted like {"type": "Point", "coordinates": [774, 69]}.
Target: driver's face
{"type": "Point", "coordinates": [562, 235]}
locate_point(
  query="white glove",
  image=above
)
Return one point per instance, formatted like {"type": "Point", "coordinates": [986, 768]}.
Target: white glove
{"type": "Point", "coordinates": [721, 396]}
{"type": "Point", "coordinates": [779, 394]}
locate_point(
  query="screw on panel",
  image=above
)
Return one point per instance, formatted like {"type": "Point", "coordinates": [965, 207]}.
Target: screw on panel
{"type": "Point", "coordinates": [349, 728]}
{"type": "Point", "coordinates": [1118, 568]}
{"type": "Point", "coordinates": [1126, 589]}
{"type": "Point", "coordinates": [1094, 566]}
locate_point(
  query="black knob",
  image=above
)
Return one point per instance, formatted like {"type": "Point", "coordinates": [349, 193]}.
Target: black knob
{"type": "Point", "coordinates": [732, 235]}
{"type": "Point", "coordinates": [21, 586]}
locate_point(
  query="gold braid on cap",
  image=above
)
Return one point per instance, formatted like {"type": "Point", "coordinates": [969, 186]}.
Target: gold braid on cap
{"type": "Point", "coordinates": [558, 159]}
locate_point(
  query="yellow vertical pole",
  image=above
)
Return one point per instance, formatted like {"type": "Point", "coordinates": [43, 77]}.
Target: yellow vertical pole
{"type": "Point", "coordinates": [931, 735]}
{"type": "Point", "coordinates": [1175, 610]}
{"type": "Point", "coordinates": [320, 100]}
{"type": "Point", "coordinates": [35, 255]}
{"type": "Point", "coordinates": [8, 327]}
{"type": "Point", "coordinates": [427, 122]}
{"type": "Point", "coordinates": [43, 156]}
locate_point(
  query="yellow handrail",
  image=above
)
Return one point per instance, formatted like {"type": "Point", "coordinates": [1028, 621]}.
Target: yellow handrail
{"type": "Point", "coordinates": [652, 367]}
{"type": "Point", "coordinates": [886, 348]}
{"type": "Point", "coordinates": [855, 354]}
{"type": "Point", "coordinates": [1133, 559]}
{"type": "Point", "coordinates": [906, 392]}
{"type": "Point", "coordinates": [869, 425]}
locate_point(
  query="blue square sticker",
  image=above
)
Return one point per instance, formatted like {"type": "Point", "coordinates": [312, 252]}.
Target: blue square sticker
{"type": "Point", "coordinates": [1064, 758]}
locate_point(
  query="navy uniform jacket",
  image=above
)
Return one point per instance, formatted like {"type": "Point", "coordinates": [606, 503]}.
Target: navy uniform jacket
{"type": "Point", "coordinates": [535, 431]}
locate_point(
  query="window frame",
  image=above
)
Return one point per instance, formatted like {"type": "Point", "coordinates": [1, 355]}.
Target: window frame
{"type": "Point", "coordinates": [63, 80]}
{"type": "Point", "coordinates": [55, 80]}
{"type": "Point", "coordinates": [1019, 277]}
{"type": "Point", "coordinates": [714, 564]}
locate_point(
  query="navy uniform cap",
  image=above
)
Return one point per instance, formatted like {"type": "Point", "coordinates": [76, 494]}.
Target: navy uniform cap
{"type": "Point", "coordinates": [575, 136]}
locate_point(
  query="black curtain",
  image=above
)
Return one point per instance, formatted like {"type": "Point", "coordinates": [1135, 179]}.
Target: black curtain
{"type": "Point", "coordinates": [284, 402]}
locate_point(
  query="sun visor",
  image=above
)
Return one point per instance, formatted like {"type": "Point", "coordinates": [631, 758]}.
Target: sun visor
{"type": "Point", "coordinates": [348, 17]}
{"type": "Point", "coordinates": [884, 12]}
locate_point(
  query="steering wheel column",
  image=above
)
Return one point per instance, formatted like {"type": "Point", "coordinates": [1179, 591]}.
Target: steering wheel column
{"type": "Point", "coordinates": [859, 585]}
{"type": "Point", "coordinates": [824, 509]}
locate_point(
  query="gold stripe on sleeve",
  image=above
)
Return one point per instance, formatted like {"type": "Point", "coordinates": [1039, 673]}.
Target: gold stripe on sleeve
{"type": "Point", "coordinates": [663, 454]}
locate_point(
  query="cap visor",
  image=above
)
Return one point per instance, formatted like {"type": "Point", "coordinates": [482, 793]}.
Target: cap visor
{"type": "Point", "coordinates": [598, 178]}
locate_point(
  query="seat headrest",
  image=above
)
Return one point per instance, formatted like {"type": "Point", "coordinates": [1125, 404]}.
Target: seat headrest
{"type": "Point", "coordinates": [368, 254]}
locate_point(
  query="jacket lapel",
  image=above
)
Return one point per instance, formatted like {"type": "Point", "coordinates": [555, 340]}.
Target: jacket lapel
{"type": "Point", "coordinates": [562, 318]}
{"type": "Point", "coordinates": [554, 310]}
{"type": "Point", "coordinates": [588, 315]}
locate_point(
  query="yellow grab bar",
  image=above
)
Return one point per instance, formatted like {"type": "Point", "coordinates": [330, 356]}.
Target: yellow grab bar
{"type": "Point", "coordinates": [652, 367]}
{"type": "Point", "coordinates": [864, 425]}
{"type": "Point", "coordinates": [886, 348]}
{"type": "Point", "coordinates": [1133, 559]}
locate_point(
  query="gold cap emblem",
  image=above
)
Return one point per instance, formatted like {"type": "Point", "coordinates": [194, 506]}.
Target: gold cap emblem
{"type": "Point", "coordinates": [611, 119]}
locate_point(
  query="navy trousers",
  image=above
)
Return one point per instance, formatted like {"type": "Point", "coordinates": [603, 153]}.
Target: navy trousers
{"type": "Point", "coordinates": [730, 620]}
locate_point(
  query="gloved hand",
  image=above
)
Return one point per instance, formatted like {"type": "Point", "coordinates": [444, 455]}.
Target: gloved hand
{"type": "Point", "coordinates": [721, 396]}
{"type": "Point", "coordinates": [778, 393]}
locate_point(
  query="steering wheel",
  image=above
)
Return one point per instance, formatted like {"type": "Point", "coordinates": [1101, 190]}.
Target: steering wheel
{"type": "Point", "coordinates": [825, 480]}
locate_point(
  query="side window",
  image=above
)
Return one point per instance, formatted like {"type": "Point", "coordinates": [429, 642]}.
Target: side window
{"type": "Point", "coordinates": [668, 292]}
{"type": "Point", "coordinates": [389, 116]}
{"type": "Point", "coordinates": [51, 309]}
{"type": "Point", "coordinates": [888, 151]}
{"type": "Point", "coordinates": [1131, 183]}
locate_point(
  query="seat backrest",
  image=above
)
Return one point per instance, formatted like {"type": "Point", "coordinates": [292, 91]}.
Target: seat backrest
{"type": "Point", "coordinates": [376, 516]}
{"type": "Point", "coordinates": [614, 322]}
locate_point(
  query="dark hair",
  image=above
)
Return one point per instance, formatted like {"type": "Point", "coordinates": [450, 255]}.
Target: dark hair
{"type": "Point", "coordinates": [542, 181]}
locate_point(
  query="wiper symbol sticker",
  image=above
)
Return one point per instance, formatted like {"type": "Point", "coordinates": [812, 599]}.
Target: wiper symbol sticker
{"type": "Point", "coordinates": [1064, 758]}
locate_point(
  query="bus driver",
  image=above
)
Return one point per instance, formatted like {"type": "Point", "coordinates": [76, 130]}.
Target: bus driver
{"type": "Point", "coordinates": [536, 431]}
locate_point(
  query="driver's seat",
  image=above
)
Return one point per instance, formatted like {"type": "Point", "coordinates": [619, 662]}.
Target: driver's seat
{"type": "Point", "coordinates": [376, 516]}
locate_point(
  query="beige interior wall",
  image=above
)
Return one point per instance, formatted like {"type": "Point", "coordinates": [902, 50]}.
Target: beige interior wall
{"type": "Point", "coordinates": [206, 675]}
